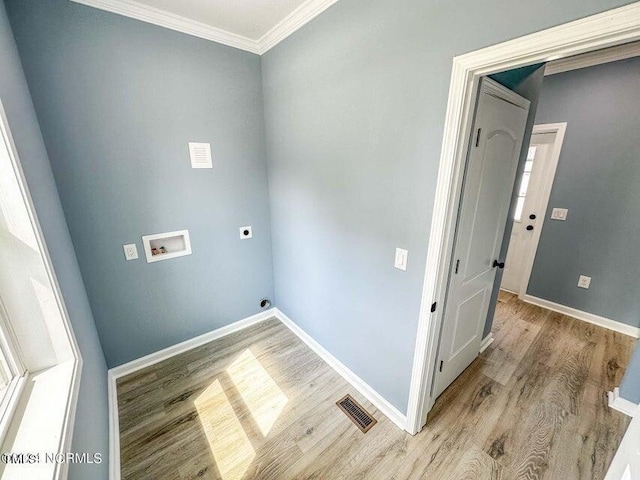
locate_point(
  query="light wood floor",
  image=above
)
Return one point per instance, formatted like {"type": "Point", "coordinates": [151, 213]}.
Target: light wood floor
{"type": "Point", "coordinates": [260, 405]}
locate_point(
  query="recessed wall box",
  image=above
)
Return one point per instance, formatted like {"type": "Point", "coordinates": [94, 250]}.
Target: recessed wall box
{"type": "Point", "coordinates": [163, 246]}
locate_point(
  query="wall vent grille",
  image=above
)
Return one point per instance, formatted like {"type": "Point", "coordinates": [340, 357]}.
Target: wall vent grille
{"type": "Point", "coordinates": [200, 155]}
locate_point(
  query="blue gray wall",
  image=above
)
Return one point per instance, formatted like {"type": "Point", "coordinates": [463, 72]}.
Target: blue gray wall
{"type": "Point", "coordinates": [597, 180]}
{"type": "Point", "coordinates": [354, 108]}
{"type": "Point", "coordinates": [118, 100]}
{"type": "Point", "coordinates": [91, 423]}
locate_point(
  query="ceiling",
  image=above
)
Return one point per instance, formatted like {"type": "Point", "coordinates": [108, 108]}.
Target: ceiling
{"type": "Point", "coordinates": [252, 25]}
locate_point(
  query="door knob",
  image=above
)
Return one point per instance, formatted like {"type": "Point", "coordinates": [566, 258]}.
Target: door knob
{"type": "Point", "coordinates": [498, 264]}
{"type": "Point", "coordinates": [532, 216]}
{"type": "Point", "coordinates": [529, 227]}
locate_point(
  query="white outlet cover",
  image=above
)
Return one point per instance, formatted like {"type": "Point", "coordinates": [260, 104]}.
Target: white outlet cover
{"type": "Point", "coordinates": [130, 251]}
{"type": "Point", "coordinates": [584, 282]}
{"type": "Point", "coordinates": [559, 214]}
{"type": "Point", "coordinates": [246, 232]}
{"type": "Point", "coordinates": [401, 259]}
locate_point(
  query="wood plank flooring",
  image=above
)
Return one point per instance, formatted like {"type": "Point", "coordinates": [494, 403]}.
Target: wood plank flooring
{"type": "Point", "coordinates": [259, 404]}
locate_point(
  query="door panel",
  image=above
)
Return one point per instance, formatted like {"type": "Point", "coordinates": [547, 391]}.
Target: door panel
{"type": "Point", "coordinates": [488, 185]}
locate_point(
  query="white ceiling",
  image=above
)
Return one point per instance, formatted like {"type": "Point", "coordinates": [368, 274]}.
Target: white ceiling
{"type": "Point", "coordinates": [249, 18]}
{"type": "Point", "coordinates": [252, 25]}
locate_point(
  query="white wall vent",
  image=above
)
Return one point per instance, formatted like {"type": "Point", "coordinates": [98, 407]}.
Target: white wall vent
{"type": "Point", "coordinates": [200, 155]}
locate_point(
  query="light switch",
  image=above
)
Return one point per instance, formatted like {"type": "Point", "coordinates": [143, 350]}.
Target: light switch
{"type": "Point", "coordinates": [130, 251]}
{"type": "Point", "coordinates": [559, 214]}
{"type": "Point", "coordinates": [401, 259]}
{"type": "Point", "coordinates": [584, 282]}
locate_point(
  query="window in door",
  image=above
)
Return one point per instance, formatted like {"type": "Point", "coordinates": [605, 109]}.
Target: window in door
{"type": "Point", "coordinates": [524, 184]}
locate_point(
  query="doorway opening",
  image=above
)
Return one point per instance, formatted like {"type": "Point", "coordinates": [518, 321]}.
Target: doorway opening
{"type": "Point", "coordinates": [612, 28]}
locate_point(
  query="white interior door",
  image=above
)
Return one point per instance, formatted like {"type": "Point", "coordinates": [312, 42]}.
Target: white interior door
{"type": "Point", "coordinates": [488, 185]}
{"type": "Point", "coordinates": [528, 210]}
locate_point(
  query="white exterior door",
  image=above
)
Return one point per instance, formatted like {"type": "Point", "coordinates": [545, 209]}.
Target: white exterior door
{"type": "Point", "coordinates": [528, 210]}
{"type": "Point", "coordinates": [533, 197]}
{"type": "Point", "coordinates": [488, 185]}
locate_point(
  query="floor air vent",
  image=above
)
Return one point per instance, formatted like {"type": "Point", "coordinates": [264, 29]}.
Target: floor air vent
{"type": "Point", "coordinates": [356, 413]}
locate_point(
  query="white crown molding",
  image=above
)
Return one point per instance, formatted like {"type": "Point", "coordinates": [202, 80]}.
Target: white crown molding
{"type": "Point", "coordinates": [145, 13]}
{"type": "Point", "coordinates": [162, 18]}
{"type": "Point", "coordinates": [591, 59]}
{"type": "Point", "coordinates": [292, 22]}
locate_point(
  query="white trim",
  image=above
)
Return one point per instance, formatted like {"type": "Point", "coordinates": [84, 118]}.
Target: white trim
{"type": "Point", "coordinates": [114, 428]}
{"type": "Point", "coordinates": [66, 434]}
{"type": "Point", "coordinates": [486, 341]}
{"type": "Point", "coordinates": [607, 29]}
{"type": "Point", "coordinates": [156, 16]}
{"type": "Point", "coordinates": [599, 57]}
{"type": "Point", "coordinates": [391, 412]}
{"type": "Point", "coordinates": [621, 404]}
{"type": "Point", "coordinates": [559, 130]}
{"type": "Point", "coordinates": [584, 316]}
{"type": "Point", "coordinates": [162, 18]}
{"type": "Point", "coordinates": [292, 22]}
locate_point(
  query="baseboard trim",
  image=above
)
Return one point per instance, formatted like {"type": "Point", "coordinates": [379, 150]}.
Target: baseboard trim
{"type": "Point", "coordinates": [584, 316]}
{"type": "Point", "coordinates": [486, 341]}
{"type": "Point", "coordinates": [130, 367]}
{"type": "Point", "coordinates": [388, 410]}
{"type": "Point", "coordinates": [622, 405]}
{"type": "Point", "coordinates": [153, 358]}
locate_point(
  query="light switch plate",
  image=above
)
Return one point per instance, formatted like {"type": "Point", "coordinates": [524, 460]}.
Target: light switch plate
{"type": "Point", "coordinates": [401, 259]}
{"type": "Point", "coordinates": [584, 282]}
{"type": "Point", "coordinates": [559, 214]}
{"type": "Point", "coordinates": [130, 251]}
{"type": "Point", "coordinates": [246, 232]}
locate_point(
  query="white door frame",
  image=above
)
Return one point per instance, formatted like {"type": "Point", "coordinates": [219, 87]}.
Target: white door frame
{"type": "Point", "coordinates": [549, 174]}
{"type": "Point", "coordinates": [607, 29]}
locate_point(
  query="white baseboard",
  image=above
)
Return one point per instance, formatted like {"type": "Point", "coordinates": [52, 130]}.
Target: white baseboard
{"type": "Point", "coordinates": [114, 373]}
{"type": "Point", "coordinates": [584, 316]}
{"type": "Point", "coordinates": [153, 358]}
{"type": "Point", "coordinates": [391, 412]}
{"type": "Point", "coordinates": [622, 405]}
{"type": "Point", "coordinates": [486, 341]}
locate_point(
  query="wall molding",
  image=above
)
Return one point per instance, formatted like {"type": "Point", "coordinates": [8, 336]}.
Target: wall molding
{"type": "Point", "coordinates": [592, 59]}
{"type": "Point", "coordinates": [621, 404]}
{"type": "Point", "coordinates": [135, 365]}
{"type": "Point", "coordinates": [391, 412]}
{"type": "Point", "coordinates": [156, 16]}
{"type": "Point", "coordinates": [584, 316]}
{"type": "Point", "coordinates": [486, 341]}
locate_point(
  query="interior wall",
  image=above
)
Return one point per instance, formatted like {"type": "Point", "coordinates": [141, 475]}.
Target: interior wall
{"type": "Point", "coordinates": [597, 180]}
{"type": "Point", "coordinates": [527, 82]}
{"type": "Point", "coordinates": [91, 422]}
{"type": "Point", "coordinates": [354, 109]}
{"type": "Point", "coordinates": [118, 100]}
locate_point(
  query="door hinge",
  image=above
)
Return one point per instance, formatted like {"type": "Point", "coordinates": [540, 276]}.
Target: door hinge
{"type": "Point", "coordinates": [441, 364]}
{"type": "Point", "coordinates": [478, 137]}
{"type": "Point", "coordinates": [433, 307]}
{"type": "Point", "coordinates": [457, 266]}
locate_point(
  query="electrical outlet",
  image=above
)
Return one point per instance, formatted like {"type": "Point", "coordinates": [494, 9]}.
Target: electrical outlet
{"type": "Point", "coordinates": [559, 214]}
{"type": "Point", "coordinates": [584, 282]}
{"type": "Point", "coordinates": [246, 232]}
{"type": "Point", "coordinates": [130, 251]}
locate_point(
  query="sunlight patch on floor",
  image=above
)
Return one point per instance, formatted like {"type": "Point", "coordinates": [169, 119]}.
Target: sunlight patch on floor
{"type": "Point", "coordinates": [261, 394]}
{"type": "Point", "coordinates": [227, 439]}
